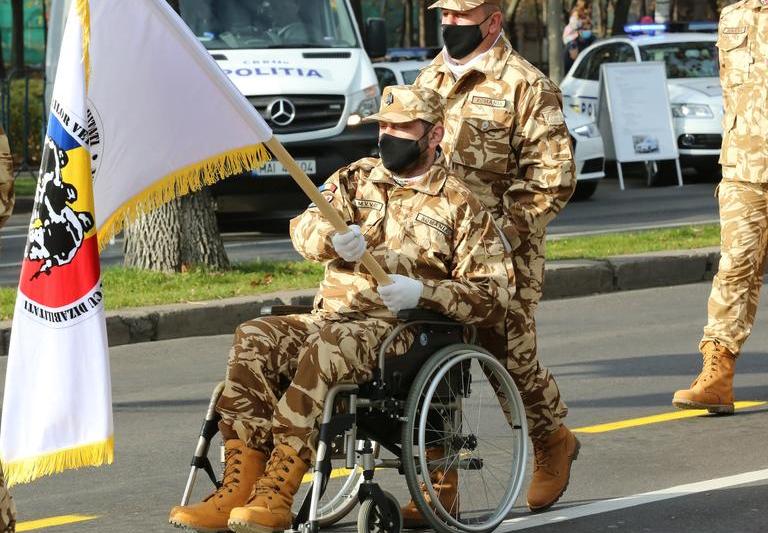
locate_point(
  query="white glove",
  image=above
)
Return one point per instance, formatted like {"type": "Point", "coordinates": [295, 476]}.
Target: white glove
{"type": "Point", "coordinates": [402, 293]}
{"type": "Point", "coordinates": [349, 245]}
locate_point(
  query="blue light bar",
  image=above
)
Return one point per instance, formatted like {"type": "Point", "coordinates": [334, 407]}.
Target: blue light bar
{"type": "Point", "coordinates": [644, 28]}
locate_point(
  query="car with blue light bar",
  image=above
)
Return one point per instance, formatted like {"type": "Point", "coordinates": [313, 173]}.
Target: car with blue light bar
{"type": "Point", "coordinates": [696, 96]}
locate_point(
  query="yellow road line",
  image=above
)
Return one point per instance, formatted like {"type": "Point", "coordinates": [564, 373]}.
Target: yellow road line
{"type": "Point", "coordinates": [646, 420]}
{"type": "Point", "coordinates": [336, 472]}
{"type": "Point", "coordinates": [53, 522]}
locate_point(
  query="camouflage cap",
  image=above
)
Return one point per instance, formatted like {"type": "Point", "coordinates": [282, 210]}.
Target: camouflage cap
{"type": "Point", "coordinates": [463, 5]}
{"type": "Point", "coordinates": [404, 103]}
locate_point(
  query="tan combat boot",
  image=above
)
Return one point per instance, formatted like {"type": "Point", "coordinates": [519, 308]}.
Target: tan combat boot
{"type": "Point", "coordinates": [269, 509]}
{"type": "Point", "coordinates": [243, 466]}
{"type": "Point", "coordinates": [713, 387]}
{"type": "Point", "coordinates": [445, 484]}
{"type": "Point", "coordinates": [552, 469]}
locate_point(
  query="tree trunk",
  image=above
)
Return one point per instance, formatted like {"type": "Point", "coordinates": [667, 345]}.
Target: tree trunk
{"type": "Point", "coordinates": [407, 23]}
{"type": "Point", "coordinates": [555, 39]}
{"type": "Point", "coordinates": [17, 35]}
{"type": "Point", "coordinates": [178, 235]}
{"type": "Point", "coordinates": [663, 11]}
{"type": "Point", "coordinates": [422, 23]}
{"type": "Point", "coordinates": [620, 15]}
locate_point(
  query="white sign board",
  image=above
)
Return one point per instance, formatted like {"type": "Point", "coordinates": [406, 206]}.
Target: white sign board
{"type": "Point", "coordinates": [634, 116]}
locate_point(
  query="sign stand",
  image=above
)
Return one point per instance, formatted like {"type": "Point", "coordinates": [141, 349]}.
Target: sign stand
{"type": "Point", "coordinates": [634, 116]}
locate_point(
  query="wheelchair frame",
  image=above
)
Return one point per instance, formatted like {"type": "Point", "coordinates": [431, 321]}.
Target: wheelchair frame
{"type": "Point", "coordinates": [433, 334]}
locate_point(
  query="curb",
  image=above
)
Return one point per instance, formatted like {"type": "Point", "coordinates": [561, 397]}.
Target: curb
{"type": "Point", "coordinates": [563, 279]}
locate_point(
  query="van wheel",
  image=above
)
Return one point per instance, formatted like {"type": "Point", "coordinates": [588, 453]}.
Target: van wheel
{"type": "Point", "coordinates": [585, 190]}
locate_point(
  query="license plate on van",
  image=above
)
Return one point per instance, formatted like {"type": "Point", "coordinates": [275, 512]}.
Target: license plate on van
{"type": "Point", "coordinates": [275, 168]}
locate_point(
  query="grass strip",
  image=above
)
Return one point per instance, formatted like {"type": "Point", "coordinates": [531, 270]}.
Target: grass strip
{"type": "Point", "coordinates": [24, 186]}
{"type": "Point", "coordinates": [135, 288]}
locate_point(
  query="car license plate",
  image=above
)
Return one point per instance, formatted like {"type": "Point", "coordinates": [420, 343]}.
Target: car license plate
{"type": "Point", "coordinates": [275, 168]}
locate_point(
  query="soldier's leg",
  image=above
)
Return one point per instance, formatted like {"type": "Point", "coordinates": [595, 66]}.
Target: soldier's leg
{"type": "Point", "coordinates": [544, 406]}
{"type": "Point", "coordinates": [261, 363]}
{"type": "Point", "coordinates": [7, 508]}
{"type": "Point", "coordinates": [734, 297]}
{"type": "Point", "coordinates": [555, 447]}
{"type": "Point", "coordinates": [340, 352]}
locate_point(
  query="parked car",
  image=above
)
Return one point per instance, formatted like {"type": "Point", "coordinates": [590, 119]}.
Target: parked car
{"type": "Point", "coordinates": [398, 72]}
{"type": "Point", "coordinates": [692, 78]}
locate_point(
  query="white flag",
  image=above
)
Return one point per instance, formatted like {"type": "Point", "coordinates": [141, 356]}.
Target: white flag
{"type": "Point", "coordinates": [140, 114]}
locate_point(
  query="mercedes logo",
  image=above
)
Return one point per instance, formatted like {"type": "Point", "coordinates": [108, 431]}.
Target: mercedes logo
{"type": "Point", "coordinates": [281, 111]}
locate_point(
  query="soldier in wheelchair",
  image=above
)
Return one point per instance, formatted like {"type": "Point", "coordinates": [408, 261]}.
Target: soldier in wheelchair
{"type": "Point", "coordinates": [407, 381]}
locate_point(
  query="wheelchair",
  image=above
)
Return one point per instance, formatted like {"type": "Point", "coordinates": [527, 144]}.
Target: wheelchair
{"type": "Point", "coordinates": [446, 394]}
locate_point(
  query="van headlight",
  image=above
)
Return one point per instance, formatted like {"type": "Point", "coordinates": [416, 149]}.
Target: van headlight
{"type": "Point", "coordinates": [691, 111]}
{"type": "Point", "coordinates": [589, 131]}
{"type": "Point", "coordinates": [367, 104]}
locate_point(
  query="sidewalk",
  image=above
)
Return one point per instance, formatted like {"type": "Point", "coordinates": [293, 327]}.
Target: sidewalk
{"type": "Point", "coordinates": [563, 279]}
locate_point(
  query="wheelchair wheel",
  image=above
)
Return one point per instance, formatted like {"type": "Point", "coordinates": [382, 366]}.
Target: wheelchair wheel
{"type": "Point", "coordinates": [340, 495]}
{"type": "Point", "coordinates": [371, 520]}
{"type": "Point", "coordinates": [465, 432]}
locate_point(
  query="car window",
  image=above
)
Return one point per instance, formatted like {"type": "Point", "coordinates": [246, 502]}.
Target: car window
{"type": "Point", "coordinates": [385, 76]}
{"type": "Point", "coordinates": [589, 68]}
{"type": "Point", "coordinates": [409, 76]}
{"type": "Point", "coordinates": [685, 60]}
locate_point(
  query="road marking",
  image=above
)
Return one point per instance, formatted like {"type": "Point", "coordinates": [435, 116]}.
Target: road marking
{"type": "Point", "coordinates": [336, 472]}
{"type": "Point", "coordinates": [656, 419]}
{"type": "Point", "coordinates": [607, 506]}
{"type": "Point", "coordinates": [53, 522]}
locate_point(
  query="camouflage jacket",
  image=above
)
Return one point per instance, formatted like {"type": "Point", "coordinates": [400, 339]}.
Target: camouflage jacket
{"type": "Point", "coordinates": [433, 230]}
{"type": "Point", "coordinates": [743, 47]}
{"type": "Point", "coordinates": [506, 138]}
{"type": "Point", "coordinates": [6, 179]}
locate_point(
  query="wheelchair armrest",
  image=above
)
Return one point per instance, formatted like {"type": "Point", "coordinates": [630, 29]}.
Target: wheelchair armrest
{"type": "Point", "coordinates": [282, 310]}
{"type": "Point", "coordinates": [421, 314]}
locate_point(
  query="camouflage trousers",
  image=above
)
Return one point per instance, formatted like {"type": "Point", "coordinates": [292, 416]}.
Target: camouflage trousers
{"type": "Point", "coordinates": [544, 407]}
{"type": "Point", "coordinates": [280, 370]}
{"type": "Point", "coordinates": [743, 241]}
{"type": "Point", "coordinates": [7, 508]}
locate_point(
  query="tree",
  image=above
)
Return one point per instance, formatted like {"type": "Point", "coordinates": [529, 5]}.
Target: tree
{"type": "Point", "coordinates": [620, 15]}
{"type": "Point", "coordinates": [555, 39]}
{"type": "Point", "coordinates": [180, 234]}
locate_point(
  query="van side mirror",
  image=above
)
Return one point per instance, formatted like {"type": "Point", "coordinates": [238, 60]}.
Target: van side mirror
{"type": "Point", "coordinates": [376, 37]}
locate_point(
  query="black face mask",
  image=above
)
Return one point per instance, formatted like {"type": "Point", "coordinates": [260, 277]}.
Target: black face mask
{"type": "Point", "coordinates": [460, 41]}
{"type": "Point", "coordinates": [399, 154]}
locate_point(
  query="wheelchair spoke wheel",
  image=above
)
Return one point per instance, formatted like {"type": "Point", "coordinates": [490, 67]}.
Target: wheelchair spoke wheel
{"type": "Point", "coordinates": [372, 519]}
{"type": "Point", "coordinates": [465, 441]}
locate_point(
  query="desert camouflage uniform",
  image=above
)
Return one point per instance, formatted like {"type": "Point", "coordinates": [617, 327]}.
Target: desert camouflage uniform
{"type": "Point", "coordinates": [7, 508]}
{"type": "Point", "coordinates": [506, 139]}
{"type": "Point", "coordinates": [6, 179]}
{"type": "Point", "coordinates": [743, 193]}
{"type": "Point", "coordinates": [433, 229]}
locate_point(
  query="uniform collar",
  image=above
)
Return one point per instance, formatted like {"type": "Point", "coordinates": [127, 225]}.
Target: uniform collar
{"type": "Point", "coordinates": [492, 64]}
{"type": "Point", "coordinates": [431, 183]}
{"type": "Point", "coordinates": [755, 4]}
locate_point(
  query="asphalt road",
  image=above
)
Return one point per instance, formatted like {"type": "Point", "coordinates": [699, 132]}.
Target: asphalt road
{"type": "Point", "coordinates": [617, 357]}
{"type": "Point", "coordinates": [608, 210]}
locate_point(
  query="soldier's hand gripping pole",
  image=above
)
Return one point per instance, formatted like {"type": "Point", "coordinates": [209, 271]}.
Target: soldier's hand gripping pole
{"type": "Point", "coordinates": [309, 188]}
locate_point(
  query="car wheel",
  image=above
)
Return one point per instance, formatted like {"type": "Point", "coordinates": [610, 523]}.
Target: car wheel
{"type": "Point", "coordinates": [585, 190]}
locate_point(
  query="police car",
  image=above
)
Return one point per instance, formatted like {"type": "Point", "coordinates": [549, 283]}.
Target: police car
{"type": "Point", "coordinates": [692, 78]}
{"type": "Point", "coordinates": [398, 72]}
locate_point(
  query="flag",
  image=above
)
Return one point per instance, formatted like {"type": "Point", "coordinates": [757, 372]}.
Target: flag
{"type": "Point", "coordinates": [140, 114]}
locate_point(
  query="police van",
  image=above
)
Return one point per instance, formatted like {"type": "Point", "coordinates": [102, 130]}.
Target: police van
{"type": "Point", "coordinates": [304, 66]}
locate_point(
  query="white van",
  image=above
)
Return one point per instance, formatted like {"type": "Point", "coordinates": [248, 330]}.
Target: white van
{"type": "Point", "coordinates": [304, 67]}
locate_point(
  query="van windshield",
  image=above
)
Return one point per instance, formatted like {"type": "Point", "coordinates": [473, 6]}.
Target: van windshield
{"type": "Point", "coordinates": [239, 24]}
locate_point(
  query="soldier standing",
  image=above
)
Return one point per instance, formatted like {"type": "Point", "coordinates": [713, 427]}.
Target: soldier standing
{"type": "Point", "coordinates": [743, 198]}
{"type": "Point", "coordinates": [506, 139]}
{"type": "Point", "coordinates": [416, 220]}
{"type": "Point", "coordinates": [7, 508]}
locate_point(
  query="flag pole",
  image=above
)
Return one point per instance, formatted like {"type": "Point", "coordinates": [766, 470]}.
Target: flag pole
{"type": "Point", "coordinates": [310, 189]}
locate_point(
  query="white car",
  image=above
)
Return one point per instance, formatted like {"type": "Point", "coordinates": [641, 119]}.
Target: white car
{"type": "Point", "coordinates": [398, 72]}
{"type": "Point", "coordinates": [588, 144]}
{"type": "Point", "coordinates": [692, 78]}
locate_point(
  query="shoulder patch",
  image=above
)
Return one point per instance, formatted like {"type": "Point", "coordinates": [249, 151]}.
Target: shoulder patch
{"type": "Point", "coordinates": [554, 118]}
{"type": "Point", "coordinates": [436, 224]}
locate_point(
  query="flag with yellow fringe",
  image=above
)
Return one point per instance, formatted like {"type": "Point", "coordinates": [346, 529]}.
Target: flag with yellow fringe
{"type": "Point", "coordinates": [140, 115]}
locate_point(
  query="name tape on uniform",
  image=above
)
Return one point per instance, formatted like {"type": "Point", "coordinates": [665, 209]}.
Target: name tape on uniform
{"type": "Point", "coordinates": [368, 204]}
{"type": "Point", "coordinates": [431, 222]}
{"type": "Point", "coordinates": [493, 102]}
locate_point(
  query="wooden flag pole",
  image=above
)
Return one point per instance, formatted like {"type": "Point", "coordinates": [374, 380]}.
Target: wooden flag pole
{"type": "Point", "coordinates": [310, 189]}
